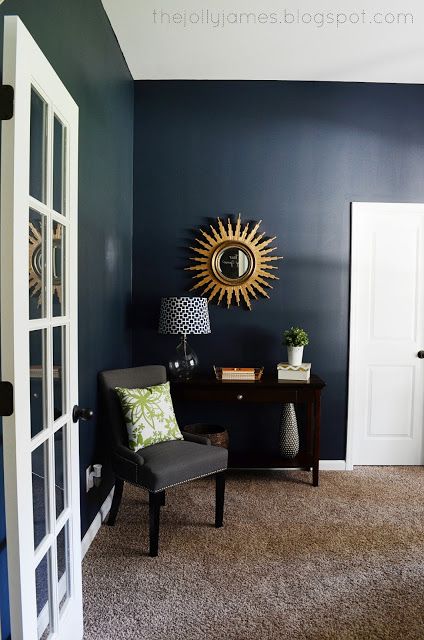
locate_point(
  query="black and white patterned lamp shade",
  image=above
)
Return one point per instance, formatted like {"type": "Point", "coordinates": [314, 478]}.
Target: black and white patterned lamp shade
{"type": "Point", "coordinates": [184, 316]}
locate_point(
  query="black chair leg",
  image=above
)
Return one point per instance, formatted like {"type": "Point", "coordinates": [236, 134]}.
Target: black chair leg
{"type": "Point", "coordinates": [155, 502]}
{"type": "Point", "coordinates": [163, 500]}
{"type": "Point", "coordinates": [116, 501]}
{"type": "Point", "coordinates": [220, 494]}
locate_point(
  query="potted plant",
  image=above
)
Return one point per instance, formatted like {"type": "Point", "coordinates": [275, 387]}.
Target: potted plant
{"type": "Point", "coordinates": [295, 339]}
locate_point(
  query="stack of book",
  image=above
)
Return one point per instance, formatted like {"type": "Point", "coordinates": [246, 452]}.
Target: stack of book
{"type": "Point", "coordinates": [288, 371]}
{"type": "Point", "coordinates": [238, 373]}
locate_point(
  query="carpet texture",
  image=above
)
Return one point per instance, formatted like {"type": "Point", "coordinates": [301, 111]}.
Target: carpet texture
{"type": "Point", "coordinates": [343, 561]}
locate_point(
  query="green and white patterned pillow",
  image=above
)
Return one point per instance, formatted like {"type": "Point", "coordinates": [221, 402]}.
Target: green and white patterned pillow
{"type": "Point", "coordinates": [149, 415]}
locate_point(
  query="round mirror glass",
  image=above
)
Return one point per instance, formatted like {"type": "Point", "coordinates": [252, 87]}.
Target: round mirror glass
{"type": "Point", "coordinates": [233, 263]}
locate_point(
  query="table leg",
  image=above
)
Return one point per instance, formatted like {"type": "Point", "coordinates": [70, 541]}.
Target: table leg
{"type": "Point", "coordinates": [309, 428]}
{"type": "Point", "coordinates": [317, 427]}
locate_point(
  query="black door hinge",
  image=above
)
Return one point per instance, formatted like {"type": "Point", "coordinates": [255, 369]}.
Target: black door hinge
{"type": "Point", "coordinates": [6, 399]}
{"type": "Point", "coordinates": [6, 102]}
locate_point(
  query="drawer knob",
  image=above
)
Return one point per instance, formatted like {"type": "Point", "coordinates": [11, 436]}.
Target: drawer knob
{"type": "Point", "coordinates": [240, 396]}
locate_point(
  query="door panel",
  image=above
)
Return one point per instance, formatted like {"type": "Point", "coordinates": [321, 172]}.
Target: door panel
{"type": "Point", "coordinates": [386, 381]}
{"type": "Point", "coordinates": [391, 395]}
{"type": "Point", "coordinates": [395, 264]}
{"type": "Point", "coordinates": [39, 344]}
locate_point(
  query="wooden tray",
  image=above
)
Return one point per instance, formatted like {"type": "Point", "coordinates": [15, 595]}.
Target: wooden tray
{"type": "Point", "coordinates": [258, 374]}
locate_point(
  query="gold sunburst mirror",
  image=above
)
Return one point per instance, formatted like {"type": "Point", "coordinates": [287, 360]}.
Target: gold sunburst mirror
{"type": "Point", "coordinates": [233, 262]}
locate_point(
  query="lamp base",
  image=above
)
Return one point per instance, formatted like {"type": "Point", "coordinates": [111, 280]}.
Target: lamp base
{"type": "Point", "coordinates": [185, 362]}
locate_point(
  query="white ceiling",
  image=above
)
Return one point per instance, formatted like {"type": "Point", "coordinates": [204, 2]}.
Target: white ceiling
{"type": "Point", "coordinates": [361, 52]}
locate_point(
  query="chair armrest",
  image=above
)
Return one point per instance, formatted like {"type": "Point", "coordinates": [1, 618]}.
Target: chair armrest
{"type": "Point", "coordinates": [128, 454]}
{"type": "Point", "coordinates": [192, 437]}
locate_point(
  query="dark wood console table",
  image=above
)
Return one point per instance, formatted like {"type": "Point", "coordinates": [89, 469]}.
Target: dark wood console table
{"type": "Point", "coordinates": [267, 390]}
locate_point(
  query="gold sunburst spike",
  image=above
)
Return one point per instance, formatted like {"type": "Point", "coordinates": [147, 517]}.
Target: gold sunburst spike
{"type": "Point", "coordinates": [205, 289]}
{"type": "Point", "coordinates": [245, 294]}
{"type": "Point", "coordinates": [238, 228]}
{"type": "Point", "coordinates": [230, 292]}
{"type": "Point", "coordinates": [266, 261]}
{"type": "Point", "coordinates": [230, 231]}
{"type": "Point", "coordinates": [215, 291]}
{"type": "Point", "coordinates": [259, 288]}
{"type": "Point", "coordinates": [257, 239]}
{"type": "Point", "coordinates": [245, 231]}
{"type": "Point", "coordinates": [265, 243]}
{"type": "Point", "coordinates": [222, 230]}
{"type": "Point", "coordinates": [216, 234]}
{"type": "Point", "coordinates": [252, 234]}
{"type": "Point", "coordinates": [221, 295]}
{"type": "Point", "coordinates": [265, 252]}
{"type": "Point", "coordinates": [201, 283]}
{"type": "Point", "coordinates": [202, 252]}
{"type": "Point", "coordinates": [205, 245]}
{"type": "Point", "coordinates": [265, 274]}
{"type": "Point", "coordinates": [252, 291]}
{"type": "Point", "coordinates": [198, 267]}
{"type": "Point", "coordinates": [211, 241]}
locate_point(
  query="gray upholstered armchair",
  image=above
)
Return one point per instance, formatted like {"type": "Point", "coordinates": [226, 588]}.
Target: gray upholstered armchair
{"type": "Point", "coordinates": [159, 466]}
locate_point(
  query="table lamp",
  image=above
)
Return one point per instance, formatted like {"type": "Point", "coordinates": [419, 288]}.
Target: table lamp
{"type": "Point", "coordinates": [184, 316]}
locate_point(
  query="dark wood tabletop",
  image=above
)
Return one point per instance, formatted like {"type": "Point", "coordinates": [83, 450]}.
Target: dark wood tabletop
{"type": "Point", "coordinates": [266, 381]}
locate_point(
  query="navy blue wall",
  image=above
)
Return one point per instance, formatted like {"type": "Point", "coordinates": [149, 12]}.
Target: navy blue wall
{"type": "Point", "coordinates": [79, 42]}
{"type": "Point", "coordinates": [295, 155]}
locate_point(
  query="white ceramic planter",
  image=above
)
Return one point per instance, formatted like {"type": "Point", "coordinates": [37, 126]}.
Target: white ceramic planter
{"type": "Point", "coordinates": [295, 355]}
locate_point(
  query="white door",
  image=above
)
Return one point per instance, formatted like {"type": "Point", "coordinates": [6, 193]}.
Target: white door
{"type": "Point", "coordinates": [386, 379]}
{"type": "Point", "coordinates": [39, 347]}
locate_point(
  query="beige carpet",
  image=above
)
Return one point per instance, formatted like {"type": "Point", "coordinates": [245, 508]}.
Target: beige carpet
{"type": "Point", "coordinates": [344, 561]}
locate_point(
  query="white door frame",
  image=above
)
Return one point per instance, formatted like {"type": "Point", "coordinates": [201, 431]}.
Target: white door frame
{"type": "Point", "coordinates": [354, 339]}
{"type": "Point", "coordinates": [23, 63]}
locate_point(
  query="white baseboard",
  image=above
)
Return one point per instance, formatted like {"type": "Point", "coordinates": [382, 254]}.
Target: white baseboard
{"type": "Point", "coordinates": [324, 465]}
{"type": "Point", "coordinates": [96, 524]}
{"type": "Point", "coordinates": [333, 465]}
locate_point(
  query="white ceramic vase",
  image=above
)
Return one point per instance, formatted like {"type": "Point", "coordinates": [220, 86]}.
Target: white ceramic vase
{"type": "Point", "coordinates": [295, 355]}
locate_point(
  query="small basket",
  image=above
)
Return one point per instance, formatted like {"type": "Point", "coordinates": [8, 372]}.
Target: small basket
{"type": "Point", "coordinates": [217, 435]}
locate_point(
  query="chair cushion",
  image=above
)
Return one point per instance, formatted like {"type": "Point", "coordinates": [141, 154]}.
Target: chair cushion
{"type": "Point", "coordinates": [149, 415]}
{"type": "Point", "coordinates": [170, 463]}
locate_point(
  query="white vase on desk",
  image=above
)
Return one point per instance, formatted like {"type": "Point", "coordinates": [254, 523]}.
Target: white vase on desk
{"type": "Point", "coordinates": [295, 355]}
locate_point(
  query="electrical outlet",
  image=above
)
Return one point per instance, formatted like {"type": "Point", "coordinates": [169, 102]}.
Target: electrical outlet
{"type": "Point", "coordinates": [89, 479]}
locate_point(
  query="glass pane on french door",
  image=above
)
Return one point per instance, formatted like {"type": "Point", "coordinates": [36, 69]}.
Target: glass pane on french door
{"type": "Point", "coordinates": [60, 455]}
{"type": "Point", "coordinates": [38, 147]}
{"type": "Point", "coordinates": [59, 166]}
{"type": "Point", "coordinates": [58, 269]}
{"type": "Point", "coordinates": [37, 265]}
{"type": "Point", "coordinates": [44, 597]}
{"type": "Point", "coordinates": [38, 380]}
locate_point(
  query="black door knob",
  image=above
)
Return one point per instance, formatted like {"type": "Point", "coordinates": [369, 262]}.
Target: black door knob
{"type": "Point", "coordinates": [420, 354]}
{"type": "Point", "coordinates": [79, 413]}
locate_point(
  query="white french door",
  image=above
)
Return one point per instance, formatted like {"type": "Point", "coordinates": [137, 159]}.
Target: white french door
{"type": "Point", "coordinates": [386, 379]}
{"type": "Point", "coordinates": [39, 315]}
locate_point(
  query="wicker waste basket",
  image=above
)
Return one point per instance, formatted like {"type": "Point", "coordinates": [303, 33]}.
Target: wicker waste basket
{"type": "Point", "coordinates": [217, 435]}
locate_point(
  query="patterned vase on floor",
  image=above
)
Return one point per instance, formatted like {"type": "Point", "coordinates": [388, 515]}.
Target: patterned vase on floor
{"type": "Point", "coordinates": [289, 433]}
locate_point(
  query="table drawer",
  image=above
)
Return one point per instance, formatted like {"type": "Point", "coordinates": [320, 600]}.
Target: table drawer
{"type": "Point", "coordinates": [232, 392]}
